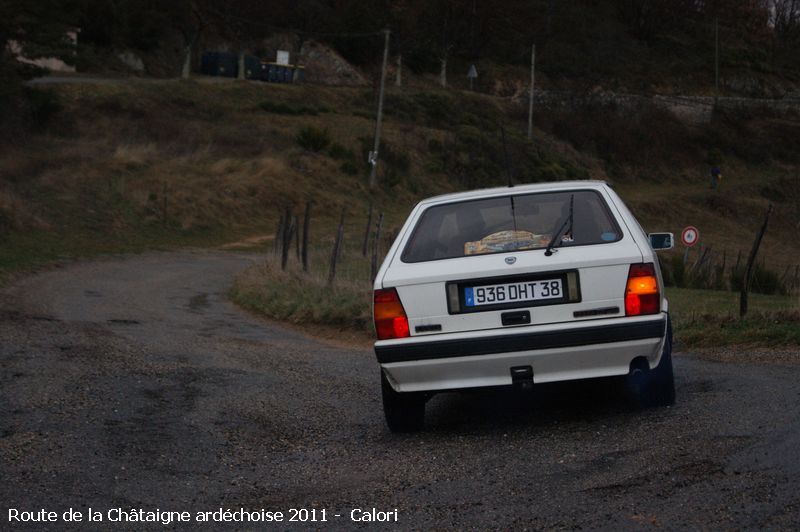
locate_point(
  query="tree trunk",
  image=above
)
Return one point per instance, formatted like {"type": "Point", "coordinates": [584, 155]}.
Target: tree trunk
{"type": "Point", "coordinates": [443, 71]}
{"type": "Point", "coordinates": [398, 75]}
{"type": "Point", "coordinates": [240, 75]}
{"type": "Point", "coordinates": [187, 63]}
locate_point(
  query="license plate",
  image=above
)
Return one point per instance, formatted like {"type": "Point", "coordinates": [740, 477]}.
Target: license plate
{"type": "Point", "coordinates": [495, 294]}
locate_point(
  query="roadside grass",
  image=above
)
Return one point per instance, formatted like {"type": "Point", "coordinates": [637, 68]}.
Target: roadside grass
{"type": "Point", "coordinates": [701, 318]}
{"type": "Point", "coordinates": [307, 299]}
{"type": "Point", "coordinates": [710, 318]}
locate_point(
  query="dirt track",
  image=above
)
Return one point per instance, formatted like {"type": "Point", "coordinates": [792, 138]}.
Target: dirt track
{"type": "Point", "coordinates": [134, 383]}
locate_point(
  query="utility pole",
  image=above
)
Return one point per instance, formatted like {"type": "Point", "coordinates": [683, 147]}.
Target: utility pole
{"type": "Point", "coordinates": [373, 159]}
{"type": "Point", "coordinates": [716, 59]}
{"type": "Point", "coordinates": [530, 92]}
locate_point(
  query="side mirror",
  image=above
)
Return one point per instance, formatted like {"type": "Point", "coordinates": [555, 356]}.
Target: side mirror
{"type": "Point", "coordinates": [662, 240]}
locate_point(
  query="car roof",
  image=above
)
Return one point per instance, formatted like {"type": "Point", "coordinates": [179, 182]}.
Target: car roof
{"type": "Point", "coordinates": [554, 186]}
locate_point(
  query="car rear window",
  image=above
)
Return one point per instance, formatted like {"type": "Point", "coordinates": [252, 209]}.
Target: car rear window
{"type": "Point", "coordinates": [511, 223]}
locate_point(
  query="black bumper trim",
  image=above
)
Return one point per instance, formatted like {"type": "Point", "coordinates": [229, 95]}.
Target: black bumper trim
{"type": "Point", "coordinates": [509, 343]}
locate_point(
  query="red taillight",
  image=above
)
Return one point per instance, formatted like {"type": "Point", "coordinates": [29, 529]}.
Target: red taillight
{"type": "Point", "coordinates": [390, 317]}
{"type": "Point", "coordinates": [641, 292]}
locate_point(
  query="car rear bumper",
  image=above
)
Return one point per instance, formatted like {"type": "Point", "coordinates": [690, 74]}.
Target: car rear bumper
{"type": "Point", "coordinates": [555, 353]}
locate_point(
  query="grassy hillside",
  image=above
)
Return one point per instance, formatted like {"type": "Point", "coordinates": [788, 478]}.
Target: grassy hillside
{"type": "Point", "coordinates": [161, 164]}
{"type": "Point", "coordinates": [149, 164]}
{"type": "Point", "coordinates": [141, 164]}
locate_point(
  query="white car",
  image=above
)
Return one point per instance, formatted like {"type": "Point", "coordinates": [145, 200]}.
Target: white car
{"type": "Point", "coordinates": [521, 285]}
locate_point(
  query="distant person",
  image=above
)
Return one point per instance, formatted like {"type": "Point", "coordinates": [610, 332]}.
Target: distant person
{"type": "Point", "coordinates": [716, 176]}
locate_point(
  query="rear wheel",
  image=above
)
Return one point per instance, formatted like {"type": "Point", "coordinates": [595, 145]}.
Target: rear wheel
{"type": "Point", "coordinates": [404, 411]}
{"type": "Point", "coordinates": [652, 387]}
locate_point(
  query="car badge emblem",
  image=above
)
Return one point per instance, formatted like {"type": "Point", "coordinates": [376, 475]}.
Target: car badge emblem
{"type": "Point", "coordinates": [511, 260]}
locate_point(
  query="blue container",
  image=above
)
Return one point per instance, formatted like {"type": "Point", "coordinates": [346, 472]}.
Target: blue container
{"type": "Point", "coordinates": [275, 73]}
{"type": "Point", "coordinates": [227, 64]}
{"type": "Point", "coordinates": [208, 63]}
{"type": "Point", "coordinates": [252, 67]}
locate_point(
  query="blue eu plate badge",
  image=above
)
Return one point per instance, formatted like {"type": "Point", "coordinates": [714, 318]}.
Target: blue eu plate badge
{"type": "Point", "coordinates": [469, 297]}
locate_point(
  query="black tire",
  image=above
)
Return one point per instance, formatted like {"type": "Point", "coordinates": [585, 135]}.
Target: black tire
{"type": "Point", "coordinates": [662, 381]}
{"type": "Point", "coordinates": [652, 387]}
{"type": "Point", "coordinates": [404, 411]}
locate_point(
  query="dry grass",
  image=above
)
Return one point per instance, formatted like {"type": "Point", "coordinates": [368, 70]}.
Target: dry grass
{"type": "Point", "coordinates": [306, 299]}
{"type": "Point", "coordinates": [188, 156]}
{"type": "Point", "coordinates": [728, 218]}
{"type": "Point", "coordinates": [15, 215]}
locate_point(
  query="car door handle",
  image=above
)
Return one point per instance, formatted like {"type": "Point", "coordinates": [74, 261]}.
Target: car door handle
{"type": "Point", "coordinates": [521, 317]}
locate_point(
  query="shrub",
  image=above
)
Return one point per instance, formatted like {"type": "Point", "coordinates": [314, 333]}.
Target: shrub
{"type": "Point", "coordinates": [286, 109]}
{"type": "Point", "coordinates": [637, 137]}
{"type": "Point", "coordinates": [763, 281]}
{"type": "Point", "coordinates": [395, 159]}
{"type": "Point", "coordinates": [313, 139]}
{"type": "Point", "coordinates": [43, 105]}
{"type": "Point", "coordinates": [349, 168]}
{"type": "Point", "coordinates": [339, 152]}
{"type": "Point", "coordinates": [391, 178]}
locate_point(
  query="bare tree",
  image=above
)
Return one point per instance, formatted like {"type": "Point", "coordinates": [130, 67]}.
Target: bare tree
{"type": "Point", "coordinates": [784, 19]}
{"type": "Point", "coordinates": [191, 26]}
{"type": "Point", "coordinates": [647, 19]}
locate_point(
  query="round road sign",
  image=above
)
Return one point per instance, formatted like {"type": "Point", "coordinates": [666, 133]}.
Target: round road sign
{"type": "Point", "coordinates": [690, 236]}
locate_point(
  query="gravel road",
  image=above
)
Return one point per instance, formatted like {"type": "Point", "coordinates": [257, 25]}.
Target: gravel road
{"type": "Point", "coordinates": [133, 383]}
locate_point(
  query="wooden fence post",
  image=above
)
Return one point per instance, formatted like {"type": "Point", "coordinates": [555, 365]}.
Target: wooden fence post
{"type": "Point", "coordinates": [277, 243]}
{"type": "Point", "coordinates": [164, 205]}
{"type": "Point", "coordinates": [335, 252]}
{"type": "Point", "coordinates": [796, 276]}
{"type": "Point", "coordinates": [286, 241]}
{"type": "Point", "coordinates": [306, 224]}
{"type": "Point", "coordinates": [750, 261]}
{"type": "Point", "coordinates": [296, 224]}
{"type": "Point", "coordinates": [373, 270]}
{"type": "Point", "coordinates": [367, 231]}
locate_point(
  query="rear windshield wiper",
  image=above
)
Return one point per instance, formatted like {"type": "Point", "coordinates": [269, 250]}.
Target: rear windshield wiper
{"type": "Point", "coordinates": [567, 223]}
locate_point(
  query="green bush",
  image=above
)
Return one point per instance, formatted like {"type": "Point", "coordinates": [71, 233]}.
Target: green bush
{"type": "Point", "coordinates": [763, 280]}
{"type": "Point", "coordinates": [395, 159]}
{"type": "Point", "coordinates": [349, 168]}
{"type": "Point", "coordinates": [314, 139]}
{"type": "Point", "coordinates": [339, 152]}
{"type": "Point", "coordinates": [43, 105]}
{"type": "Point", "coordinates": [391, 178]}
{"type": "Point", "coordinates": [282, 108]}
